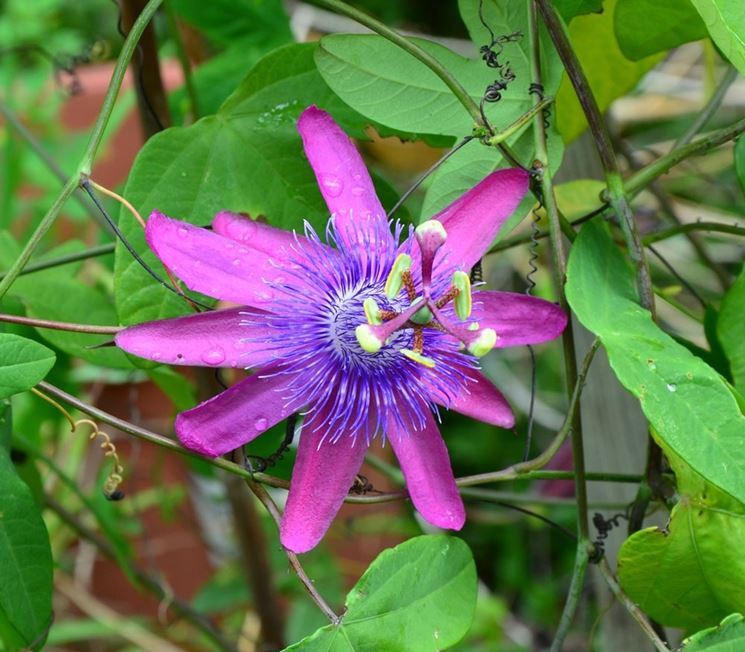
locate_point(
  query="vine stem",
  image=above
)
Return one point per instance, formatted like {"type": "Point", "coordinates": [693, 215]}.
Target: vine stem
{"type": "Point", "coordinates": [460, 93]}
{"type": "Point", "coordinates": [85, 254]}
{"type": "Point", "coordinates": [617, 197]}
{"type": "Point", "coordinates": [576, 586]}
{"type": "Point", "coordinates": [633, 610]}
{"type": "Point", "coordinates": [559, 259]}
{"type": "Point", "coordinates": [84, 168]}
{"type": "Point", "coordinates": [60, 325]}
{"type": "Point", "coordinates": [261, 493]}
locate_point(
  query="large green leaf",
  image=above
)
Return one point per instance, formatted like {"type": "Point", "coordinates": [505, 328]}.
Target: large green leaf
{"type": "Point", "coordinates": [23, 363]}
{"type": "Point", "coordinates": [728, 636]}
{"type": "Point", "coordinates": [692, 573]}
{"type": "Point", "coordinates": [246, 158]}
{"type": "Point", "coordinates": [469, 165]}
{"type": "Point", "coordinates": [688, 404]}
{"type": "Point", "coordinates": [644, 27]}
{"type": "Point", "coordinates": [81, 303]}
{"type": "Point", "coordinates": [725, 20]}
{"type": "Point", "coordinates": [390, 86]}
{"type": "Point", "coordinates": [609, 73]}
{"type": "Point", "coordinates": [730, 329]}
{"type": "Point", "coordinates": [25, 554]}
{"type": "Point", "coordinates": [420, 595]}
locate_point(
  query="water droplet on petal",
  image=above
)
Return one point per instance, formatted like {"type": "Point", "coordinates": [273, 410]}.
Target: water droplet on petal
{"type": "Point", "coordinates": [358, 191]}
{"type": "Point", "coordinates": [236, 262]}
{"type": "Point", "coordinates": [672, 387]}
{"type": "Point", "coordinates": [229, 245]}
{"type": "Point", "coordinates": [332, 184]}
{"type": "Point", "coordinates": [213, 356]}
{"type": "Point", "coordinates": [260, 424]}
{"type": "Point", "coordinates": [265, 295]}
{"type": "Point", "coordinates": [183, 232]}
{"type": "Point", "coordinates": [155, 355]}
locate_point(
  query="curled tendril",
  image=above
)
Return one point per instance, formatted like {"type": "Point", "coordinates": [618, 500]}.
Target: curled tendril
{"type": "Point", "coordinates": [114, 479]}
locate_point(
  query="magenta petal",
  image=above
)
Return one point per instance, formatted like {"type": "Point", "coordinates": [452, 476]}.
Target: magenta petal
{"type": "Point", "coordinates": [212, 264]}
{"type": "Point", "coordinates": [256, 235]}
{"type": "Point", "coordinates": [233, 418]}
{"type": "Point", "coordinates": [473, 220]}
{"type": "Point", "coordinates": [323, 473]}
{"type": "Point", "coordinates": [424, 461]}
{"type": "Point", "coordinates": [342, 176]}
{"type": "Point", "coordinates": [210, 339]}
{"type": "Point", "coordinates": [479, 400]}
{"type": "Point", "coordinates": [517, 318]}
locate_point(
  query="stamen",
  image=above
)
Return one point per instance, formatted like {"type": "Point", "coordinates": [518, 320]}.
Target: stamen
{"type": "Point", "coordinates": [430, 235]}
{"type": "Point", "coordinates": [372, 311]}
{"type": "Point", "coordinates": [395, 279]}
{"type": "Point", "coordinates": [463, 301]}
{"type": "Point", "coordinates": [482, 343]}
{"type": "Point", "coordinates": [418, 357]}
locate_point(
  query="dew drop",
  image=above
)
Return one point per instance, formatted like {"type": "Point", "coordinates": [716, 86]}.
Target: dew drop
{"type": "Point", "coordinates": [236, 262]}
{"type": "Point", "coordinates": [213, 356]}
{"type": "Point", "coordinates": [261, 423]}
{"type": "Point", "coordinates": [229, 245]}
{"type": "Point", "coordinates": [332, 184]}
{"type": "Point", "coordinates": [672, 387]}
{"type": "Point", "coordinates": [265, 295]}
{"type": "Point", "coordinates": [652, 366]}
{"type": "Point", "coordinates": [156, 355]}
{"type": "Point", "coordinates": [183, 232]}
{"type": "Point", "coordinates": [358, 191]}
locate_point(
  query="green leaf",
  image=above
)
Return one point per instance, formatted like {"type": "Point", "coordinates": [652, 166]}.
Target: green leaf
{"type": "Point", "coordinates": [689, 574]}
{"type": "Point", "coordinates": [608, 72]}
{"type": "Point", "coordinates": [246, 158]}
{"type": "Point", "coordinates": [472, 163]}
{"type": "Point", "coordinates": [26, 568]}
{"type": "Point", "coordinates": [81, 303]}
{"type": "Point", "coordinates": [420, 595]}
{"type": "Point", "coordinates": [728, 636]}
{"type": "Point", "coordinates": [645, 27]}
{"type": "Point", "coordinates": [23, 363]}
{"type": "Point", "coordinates": [725, 21]}
{"type": "Point", "coordinates": [729, 329]}
{"type": "Point", "coordinates": [176, 386]}
{"type": "Point", "coordinates": [687, 403]}
{"type": "Point", "coordinates": [571, 8]}
{"type": "Point", "coordinates": [390, 86]}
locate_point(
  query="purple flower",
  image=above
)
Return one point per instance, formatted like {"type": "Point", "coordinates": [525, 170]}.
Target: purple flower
{"type": "Point", "coordinates": [361, 333]}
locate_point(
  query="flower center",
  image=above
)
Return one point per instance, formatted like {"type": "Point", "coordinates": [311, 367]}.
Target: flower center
{"type": "Point", "coordinates": [423, 311]}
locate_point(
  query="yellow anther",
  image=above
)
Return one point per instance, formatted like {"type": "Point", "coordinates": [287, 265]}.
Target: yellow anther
{"type": "Point", "coordinates": [372, 311]}
{"type": "Point", "coordinates": [483, 343]}
{"type": "Point", "coordinates": [395, 279]}
{"type": "Point", "coordinates": [418, 357]}
{"type": "Point", "coordinates": [367, 338]}
{"type": "Point", "coordinates": [463, 302]}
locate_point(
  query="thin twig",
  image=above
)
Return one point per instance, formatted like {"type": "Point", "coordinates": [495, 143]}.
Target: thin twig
{"type": "Point", "coordinates": [633, 610]}
{"type": "Point", "coordinates": [61, 325]}
{"type": "Point", "coordinates": [706, 114]}
{"type": "Point", "coordinates": [74, 257]}
{"type": "Point", "coordinates": [261, 493]}
{"type": "Point", "coordinates": [576, 586]}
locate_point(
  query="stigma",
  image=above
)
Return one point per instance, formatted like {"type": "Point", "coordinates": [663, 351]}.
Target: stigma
{"type": "Point", "coordinates": [424, 310]}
